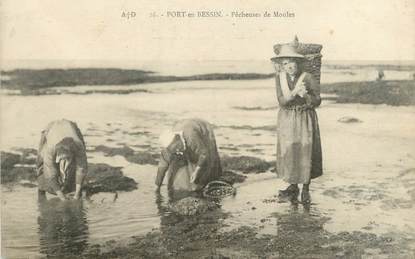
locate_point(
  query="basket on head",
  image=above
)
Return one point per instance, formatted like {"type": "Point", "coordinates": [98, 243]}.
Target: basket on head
{"type": "Point", "coordinates": [311, 53]}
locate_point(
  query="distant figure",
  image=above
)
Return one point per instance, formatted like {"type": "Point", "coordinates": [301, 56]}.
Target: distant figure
{"type": "Point", "coordinates": [189, 155]}
{"type": "Point", "coordinates": [299, 157]}
{"type": "Point", "coordinates": [62, 162]}
{"type": "Point", "coordinates": [381, 75]}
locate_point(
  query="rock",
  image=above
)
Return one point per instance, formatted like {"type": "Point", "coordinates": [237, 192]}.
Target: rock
{"type": "Point", "coordinates": [245, 164]}
{"type": "Point", "coordinates": [190, 206]}
{"type": "Point", "coordinates": [143, 158]}
{"type": "Point", "coordinates": [29, 185]}
{"type": "Point", "coordinates": [115, 151]}
{"type": "Point", "coordinates": [349, 120]}
{"type": "Point", "coordinates": [137, 157]}
{"type": "Point", "coordinates": [139, 133]}
{"type": "Point", "coordinates": [8, 160]}
{"type": "Point", "coordinates": [248, 127]}
{"type": "Point", "coordinates": [17, 174]}
{"type": "Point", "coordinates": [105, 178]}
{"type": "Point", "coordinates": [100, 177]}
{"type": "Point", "coordinates": [232, 178]}
{"type": "Point", "coordinates": [28, 155]}
{"type": "Point", "coordinates": [12, 173]}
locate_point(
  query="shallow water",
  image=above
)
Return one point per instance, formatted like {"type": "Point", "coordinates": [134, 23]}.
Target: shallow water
{"type": "Point", "coordinates": [362, 189]}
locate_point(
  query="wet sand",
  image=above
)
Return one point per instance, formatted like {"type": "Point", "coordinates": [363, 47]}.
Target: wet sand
{"type": "Point", "coordinates": [361, 207]}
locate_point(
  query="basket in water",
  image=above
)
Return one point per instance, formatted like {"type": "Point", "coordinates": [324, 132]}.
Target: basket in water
{"type": "Point", "coordinates": [218, 189]}
{"type": "Point", "coordinates": [312, 54]}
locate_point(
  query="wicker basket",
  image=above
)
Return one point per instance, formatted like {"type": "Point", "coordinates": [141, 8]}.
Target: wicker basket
{"type": "Point", "coordinates": [218, 189]}
{"type": "Point", "coordinates": [312, 63]}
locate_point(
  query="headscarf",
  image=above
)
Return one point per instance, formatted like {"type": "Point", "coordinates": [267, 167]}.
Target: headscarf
{"type": "Point", "coordinates": [167, 137]}
{"type": "Point", "coordinates": [64, 158]}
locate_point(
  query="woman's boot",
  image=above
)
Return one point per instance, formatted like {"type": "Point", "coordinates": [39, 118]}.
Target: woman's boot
{"type": "Point", "coordinates": [305, 194]}
{"type": "Point", "coordinates": [291, 192]}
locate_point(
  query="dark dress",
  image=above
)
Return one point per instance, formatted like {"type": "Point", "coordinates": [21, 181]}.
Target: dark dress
{"type": "Point", "coordinates": [299, 156]}
{"type": "Point", "coordinates": [48, 171]}
{"type": "Point", "coordinates": [201, 150]}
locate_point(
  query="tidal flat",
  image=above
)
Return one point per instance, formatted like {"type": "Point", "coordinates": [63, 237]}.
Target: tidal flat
{"type": "Point", "coordinates": [362, 206]}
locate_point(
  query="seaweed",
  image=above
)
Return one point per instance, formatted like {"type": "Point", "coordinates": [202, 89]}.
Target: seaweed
{"type": "Point", "coordinates": [232, 177]}
{"type": "Point", "coordinates": [8, 160]}
{"type": "Point", "coordinates": [105, 178]}
{"type": "Point", "coordinates": [348, 119]}
{"type": "Point", "coordinates": [17, 174]}
{"type": "Point", "coordinates": [137, 157]}
{"type": "Point", "coordinates": [100, 177]}
{"type": "Point", "coordinates": [245, 164]}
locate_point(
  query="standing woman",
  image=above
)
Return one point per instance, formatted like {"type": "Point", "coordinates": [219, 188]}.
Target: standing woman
{"type": "Point", "coordinates": [299, 157]}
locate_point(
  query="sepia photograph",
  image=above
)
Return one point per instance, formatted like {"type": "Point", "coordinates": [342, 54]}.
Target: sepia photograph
{"type": "Point", "coordinates": [207, 129]}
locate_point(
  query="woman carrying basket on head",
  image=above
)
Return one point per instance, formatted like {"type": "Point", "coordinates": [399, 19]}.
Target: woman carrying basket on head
{"type": "Point", "coordinates": [299, 157]}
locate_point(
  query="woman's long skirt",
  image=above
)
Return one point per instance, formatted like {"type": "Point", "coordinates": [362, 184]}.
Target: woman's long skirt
{"type": "Point", "coordinates": [299, 157]}
{"type": "Point", "coordinates": [179, 180]}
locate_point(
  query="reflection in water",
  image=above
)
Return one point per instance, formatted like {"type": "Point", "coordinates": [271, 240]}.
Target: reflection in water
{"type": "Point", "coordinates": [192, 235]}
{"type": "Point", "coordinates": [178, 195]}
{"type": "Point", "coordinates": [63, 228]}
{"type": "Point", "coordinates": [299, 228]}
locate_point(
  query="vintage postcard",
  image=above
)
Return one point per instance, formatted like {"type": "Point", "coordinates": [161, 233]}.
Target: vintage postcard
{"type": "Point", "coordinates": [207, 129]}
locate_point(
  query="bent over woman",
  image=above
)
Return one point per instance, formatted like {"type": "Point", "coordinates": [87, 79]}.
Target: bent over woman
{"type": "Point", "coordinates": [62, 163]}
{"type": "Point", "coordinates": [190, 155]}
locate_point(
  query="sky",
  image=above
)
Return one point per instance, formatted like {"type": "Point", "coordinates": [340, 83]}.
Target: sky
{"type": "Point", "coordinates": [80, 30]}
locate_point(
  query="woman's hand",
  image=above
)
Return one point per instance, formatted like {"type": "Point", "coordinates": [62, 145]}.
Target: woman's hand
{"type": "Point", "coordinates": [302, 93]}
{"type": "Point", "coordinates": [78, 192]}
{"type": "Point", "coordinates": [300, 90]}
{"type": "Point", "coordinates": [194, 174]}
{"type": "Point", "coordinates": [61, 196]}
